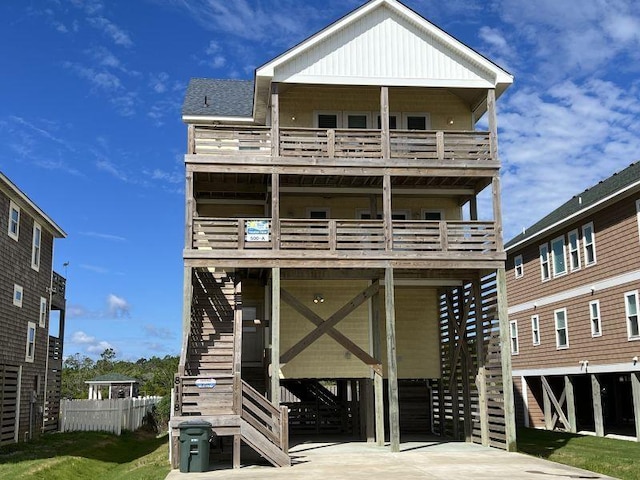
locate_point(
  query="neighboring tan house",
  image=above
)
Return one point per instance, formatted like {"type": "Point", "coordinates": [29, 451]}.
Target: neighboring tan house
{"type": "Point", "coordinates": [573, 280]}
{"type": "Point", "coordinates": [334, 257]}
{"type": "Point", "coordinates": [30, 357]}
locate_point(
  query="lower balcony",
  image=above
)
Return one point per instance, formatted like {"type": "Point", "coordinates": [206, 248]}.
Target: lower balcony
{"type": "Point", "coordinates": [291, 242]}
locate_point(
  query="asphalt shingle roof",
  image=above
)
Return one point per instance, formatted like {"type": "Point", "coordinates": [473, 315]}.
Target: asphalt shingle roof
{"type": "Point", "coordinates": [220, 98]}
{"type": "Point", "coordinates": [582, 201]}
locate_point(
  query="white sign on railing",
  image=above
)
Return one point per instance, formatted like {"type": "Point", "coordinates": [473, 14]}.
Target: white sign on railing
{"type": "Point", "coordinates": [257, 231]}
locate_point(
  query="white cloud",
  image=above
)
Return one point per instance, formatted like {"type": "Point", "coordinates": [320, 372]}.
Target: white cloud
{"type": "Point", "coordinates": [94, 268]}
{"type": "Point", "coordinates": [117, 306]}
{"type": "Point", "coordinates": [99, 347]}
{"type": "Point", "coordinates": [157, 332]}
{"type": "Point", "coordinates": [107, 166]}
{"type": "Point", "coordinates": [104, 236]}
{"type": "Point", "coordinates": [119, 36]}
{"type": "Point", "coordinates": [82, 338]}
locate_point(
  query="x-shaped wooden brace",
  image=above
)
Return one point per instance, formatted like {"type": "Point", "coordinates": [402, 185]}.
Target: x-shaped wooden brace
{"type": "Point", "coordinates": [556, 403]}
{"type": "Point", "coordinates": [458, 322]}
{"type": "Point", "coordinates": [326, 326]}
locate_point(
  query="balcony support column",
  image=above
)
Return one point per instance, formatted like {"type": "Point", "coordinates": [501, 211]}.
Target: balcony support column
{"type": "Point", "coordinates": [386, 209]}
{"type": "Point", "coordinates": [275, 121]}
{"type": "Point", "coordinates": [378, 382]}
{"type": "Point", "coordinates": [384, 123]}
{"type": "Point", "coordinates": [274, 371]}
{"type": "Point", "coordinates": [275, 211]}
{"type": "Point", "coordinates": [392, 364]}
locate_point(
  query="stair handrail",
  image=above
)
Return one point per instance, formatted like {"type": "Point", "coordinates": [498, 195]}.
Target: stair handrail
{"type": "Point", "coordinates": [272, 422]}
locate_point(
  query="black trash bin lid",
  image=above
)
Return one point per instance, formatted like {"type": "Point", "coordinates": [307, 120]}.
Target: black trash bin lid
{"type": "Point", "coordinates": [194, 423]}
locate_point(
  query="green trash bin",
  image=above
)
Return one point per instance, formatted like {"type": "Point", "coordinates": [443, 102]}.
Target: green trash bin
{"type": "Point", "coordinates": [195, 436]}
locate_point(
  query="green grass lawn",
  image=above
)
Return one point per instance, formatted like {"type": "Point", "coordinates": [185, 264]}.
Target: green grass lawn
{"type": "Point", "coordinates": [616, 458]}
{"type": "Point", "coordinates": [87, 455]}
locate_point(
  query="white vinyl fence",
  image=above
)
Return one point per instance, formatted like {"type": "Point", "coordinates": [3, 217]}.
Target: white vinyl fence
{"type": "Point", "coordinates": [111, 416]}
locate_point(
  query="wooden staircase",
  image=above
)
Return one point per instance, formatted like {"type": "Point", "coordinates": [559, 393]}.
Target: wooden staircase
{"type": "Point", "coordinates": [208, 383]}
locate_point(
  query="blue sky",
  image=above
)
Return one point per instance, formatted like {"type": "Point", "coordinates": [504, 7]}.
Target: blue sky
{"type": "Point", "coordinates": [90, 124]}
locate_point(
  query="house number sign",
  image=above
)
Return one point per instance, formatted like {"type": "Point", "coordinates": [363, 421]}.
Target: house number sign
{"type": "Point", "coordinates": [206, 383]}
{"type": "Point", "coordinates": [257, 231]}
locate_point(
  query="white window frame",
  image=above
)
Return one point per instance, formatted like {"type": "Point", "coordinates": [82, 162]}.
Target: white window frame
{"type": "Point", "coordinates": [43, 312]}
{"type": "Point", "coordinates": [634, 295]}
{"type": "Point", "coordinates": [360, 212]}
{"type": "Point", "coordinates": [378, 119]}
{"type": "Point", "coordinates": [513, 333]}
{"type": "Point", "coordinates": [585, 245]}
{"type": "Point", "coordinates": [337, 113]}
{"type": "Point", "coordinates": [595, 318]}
{"type": "Point", "coordinates": [13, 207]}
{"type": "Point", "coordinates": [406, 115]}
{"type": "Point", "coordinates": [325, 210]}
{"type": "Point", "coordinates": [31, 343]}
{"type": "Point", "coordinates": [345, 119]}
{"type": "Point", "coordinates": [424, 211]}
{"type": "Point", "coordinates": [544, 262]}
{"type": "Point", "coordinates": [574, 249]}
{"type": "Point", "coordinates": [535, 329]}
{"type": "Point", "coordinates": [566, 328]}
{"type": "Point", "coordinates": [518, 266]}
{"type": "Point", "coordinates": [18, 295]}
{"type": "Point", "coordinates": [555, 263]}
{"type": "Point", "coordinates": [638, 216]}
{"type": "Point", "coordinates": [36, 249]}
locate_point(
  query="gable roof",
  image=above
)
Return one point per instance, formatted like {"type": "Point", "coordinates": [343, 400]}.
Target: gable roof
{"type": "Point", "coordinates": [23, 201]}
{"type": "Point", "coordinates": [218, 97]}
{"type": "Point", "coordinates": [593, 198]}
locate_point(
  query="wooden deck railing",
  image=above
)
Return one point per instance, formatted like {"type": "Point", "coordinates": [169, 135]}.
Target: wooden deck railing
{"type": "Point", "coordinates": [271, 421]}
{"type": "Point", "coordinates": [342, 235]}
{"type": "Point", "coordinates": [343, 143]}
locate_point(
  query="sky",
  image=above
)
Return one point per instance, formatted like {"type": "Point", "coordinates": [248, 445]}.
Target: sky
{"type": "Point", "coordinates": [91, 130]}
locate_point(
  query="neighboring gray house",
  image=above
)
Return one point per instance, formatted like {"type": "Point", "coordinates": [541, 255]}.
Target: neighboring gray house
{"type": "Point", "coordinates": [31, 356]}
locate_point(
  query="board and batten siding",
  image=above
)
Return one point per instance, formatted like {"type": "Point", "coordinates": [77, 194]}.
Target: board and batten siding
{"type": "Point", "coordinates": [15, 268]}
{"type": "Point", "coordinates": [617, 251]}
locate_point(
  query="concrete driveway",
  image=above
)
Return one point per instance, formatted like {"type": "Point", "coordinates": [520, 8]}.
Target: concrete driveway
{"type": "Point", "coordinates": [365, 461]}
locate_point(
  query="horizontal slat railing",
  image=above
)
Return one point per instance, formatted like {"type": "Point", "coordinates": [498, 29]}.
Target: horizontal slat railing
{"type": "Point", "coordinates": [348, 235]}
{"type": "Point", "coordinates": [195, 398]}
{"type": "Point", "coordinates": [261, 414]}
{"type": "Point", "coordinates": [343, 143]}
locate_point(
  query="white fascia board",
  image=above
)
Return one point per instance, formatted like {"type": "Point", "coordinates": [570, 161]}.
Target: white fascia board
{"type": "Point", "coordinates": [578, 369]}
{"type": "Point", "coordinates": [389, 82]}
{"type": "Point", "coordinates": [212, 119]}
{"type": "Point", "coordinates": [49, 224]}
{"type": "Point", "coordinates": [600, 203]}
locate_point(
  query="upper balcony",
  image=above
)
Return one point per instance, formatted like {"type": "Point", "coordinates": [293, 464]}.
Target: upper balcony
{"type": "Point", "coordinates": [58, 291]}
{"type": "Point", "coordinates": [255, 145]}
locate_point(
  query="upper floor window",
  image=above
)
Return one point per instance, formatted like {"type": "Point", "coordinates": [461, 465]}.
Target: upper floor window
{"type": "Point", "coordinates": [416, 121]}
{"type": "Point", "coordinates": [14, 221]}
{"type": "Point", "coordinates": [393, 121]}
{"type": "Point", "coordinates": [43, 312]}
{"type": "Point", "coordinates": [433, 215]}
{"type": "Point", "coordinates": [320, 213]}
{"type": "Point", "coordinates": [562, 331]}
{"type": "Point", "coordinates": [631, 311]}
{"type": "Point", "coordinates": [574, 250]}
{"type": "Point", "coordinates": [36, 247]}
{"type": "Point", "coordinates": [327, 120]}
{"type": "Point", "coordinates": [356, 119]}
{"type": "Point", "coordinates": [18, 293]}
{"type": "Point", "coordinates": [31, 342]}
{"type": "Point", "coordinates": [535, 329]}
{"type": "Point", "coordinates": [518, 266]}
{"type": "Point", "coordinates": [544, 262]}
{"type": "Point", "coordinates": [589, 244]}
{"type": "Point", "coordinates": [513, 329]}
{"type": "Point", "coordinates": [594, 315]}
{"type": "Point", "coordinates": [559, 259]}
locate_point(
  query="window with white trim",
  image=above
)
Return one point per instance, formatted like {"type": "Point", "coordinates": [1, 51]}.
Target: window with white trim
{"type": "Point", "coordinates": [589, 244]}
{"type": "Point", "coordinates": [518, 266]}
{"type": "Point", "coordinates": [558, 256]}
{"type": "Point", "coordinates": [14, 221]}
{"type": "Point", "coordinates": [544, 262]}
{"type": "Point", "coordinates": [433, 215]}
{"type": "Point", "coordinates": [356, 119]}
{"type": "Point", "coordinates": [513, 330]}
{"type": "Point", "coordinates": [320, 213]}
{"type": "Point", "coordinates": [31, 342]}
{"type": "Point", "coordinates": [416, 121]}
{"type": "Point", "coordinates": [327, 119]}
{"type": "Point", "coordinates": [43, 312]}
{"type": "Point", "coordinates": [574, 250]}
{"type": "Point", "coordinates": [393, 121]}
{"type": "Point", "coordinates": [18, 293]}
{"type": "Point", "coordinates": [535, 329]}
{"type": "Point", "coordinates": [36, 246]}
{"type": "Point", "coordinates": [562, 331]}
{"type": "Point", "coordinates": [594, 316]}
{"type": "Point", "coordinates": [631, 312]}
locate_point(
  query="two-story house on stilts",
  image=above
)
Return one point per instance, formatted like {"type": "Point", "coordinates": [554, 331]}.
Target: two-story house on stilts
{"type": "Point", "coordinates": [338, 277]}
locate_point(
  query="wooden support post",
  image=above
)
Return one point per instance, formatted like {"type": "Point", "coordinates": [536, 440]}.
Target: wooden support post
{"type": "Point", "coordinates": [440, 145]}
{"type": "Point", "coordinates": [384, 123]}
{"type": "Point", "coordinates": [596, 394]}
{"type": "Point", "coordinates": [635, 391]}
{"type": "Point", "coordinates": [275, 121]}
{"type": "Point", "coordinates": [189, 210]}
{"type": "Point", "coordinates": [331, 143]}
{"type": "Point", "coordinates": [505, 353]}
{"type": "Point", "coordinates": [387, 213]}
{"type": "Point", "coordinates": [453, 381]}
{"type": "Point", "coordinates": [497, 211]}
{"type": "Point", "coordinates": [191, 139]}
{"type": "Point", "coordinates": [186, 315]}
{"type": "Point", "coordinates": [492, 118]}
{"type": "Point", "coordinates": [369, 413]}
{"type": "Point", "coordinates": [275, 336]}
{"type": "Point", "coordinates": [481, 381]}
{"type": "Point", "coordinates": [275, 211]}
{"type": "Point", "coordinates": [392, 366]}
{"type": "Point", "coordinates": [466, 394]}
{"type": "Point", "coordinates": [571, 404]}
{"type": "Point", "coordinates": [237, 346]}
{"type": "Point", "coordinates": [236, 450]}
{"type": "Point", "coordinates": [546, 401]}
{"type": "Point", "coordinates": [377, 377]}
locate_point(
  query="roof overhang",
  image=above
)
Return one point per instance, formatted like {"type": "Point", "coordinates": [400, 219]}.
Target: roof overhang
{"type": "Point", "coordinates": [200, 119]}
